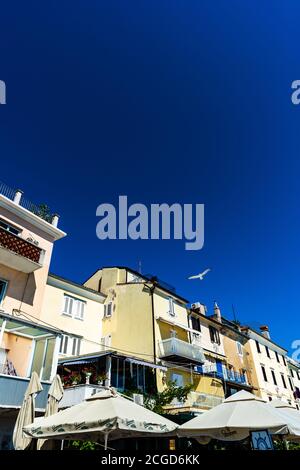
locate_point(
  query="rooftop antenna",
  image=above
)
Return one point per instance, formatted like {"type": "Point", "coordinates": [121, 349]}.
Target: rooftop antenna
{"type": "Point", "coordinates": [233, 311]}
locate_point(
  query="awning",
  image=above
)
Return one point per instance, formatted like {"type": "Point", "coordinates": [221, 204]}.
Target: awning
{"type": "Point", "coordinates": [84, 359]}
{"type": "Point", "coordinates": [21, 327]}
{"type": "Point", "coordinates": [147, 364]}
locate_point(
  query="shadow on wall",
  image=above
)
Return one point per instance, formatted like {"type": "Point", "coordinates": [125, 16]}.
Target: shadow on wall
{"type": "Point", "coordinates": [21, 287]}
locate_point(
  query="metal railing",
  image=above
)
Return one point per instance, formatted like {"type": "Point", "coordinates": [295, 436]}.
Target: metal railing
{"type": "Point", "coordinates": [199, 400]}
{"type": "Point", "coordinates": [12, 391]}
{"type": "Point", "coordinates": [176, 347]}
{"type": "Point", "coordinates": [41, 210]}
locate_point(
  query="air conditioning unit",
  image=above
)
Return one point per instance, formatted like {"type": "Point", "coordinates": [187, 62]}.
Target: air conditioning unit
{"type": "Point", "coordinates": [198, 307]}
{"type": "Point", "coordinates": [138, 398]}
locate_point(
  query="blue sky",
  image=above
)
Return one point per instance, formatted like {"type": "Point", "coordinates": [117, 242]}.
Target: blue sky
{"type": "Point", "coordinates": [163, 101]}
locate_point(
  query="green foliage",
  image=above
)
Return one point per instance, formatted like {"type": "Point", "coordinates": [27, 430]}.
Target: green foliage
{"type": "Point", "coordinates": [156, 401]}
{"type": "Point", "coordinates": [85, 445]}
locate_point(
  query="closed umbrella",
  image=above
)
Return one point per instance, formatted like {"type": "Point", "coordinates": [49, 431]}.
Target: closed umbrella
{"type": "Point", "coordinates": [26, 413]}
{"type": "Point", "coordinates": [105, 414]}
{"type": "Point", "coordinates": [55, 394]}
{"type": "Point", "coordinates": [236, 417]}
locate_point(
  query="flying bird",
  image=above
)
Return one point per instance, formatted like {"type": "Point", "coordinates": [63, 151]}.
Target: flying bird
{"type": "Point", "coordinates": [200, 275]}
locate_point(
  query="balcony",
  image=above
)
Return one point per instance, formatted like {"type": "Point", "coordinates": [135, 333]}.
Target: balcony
{"type": "Point", "coordinates": [19, 254]}
{"type": "Point", "coordinates": [176, 349]}
{"type": "Point", "coordinates": [78, 393]}
{"type": "Point", "coordinates": [195, 401]}
{"type": "Point", "coordinates": [12, 391]}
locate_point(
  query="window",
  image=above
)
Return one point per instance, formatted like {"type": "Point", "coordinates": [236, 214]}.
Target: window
{"type": "Point", "coordinates": [264, 373]}
{"type": "Point", "coordinates": [108, 310]}
{"type": "Point", "coordinates": [9, 228]}
{"type": "Point", "coordinates": [69, 345]}
{"type": "Point", "coordinates": [268, 352]}
{"type": "Point", "coordinates": [270, 398]}
{"type": "Point", "coordinates": [277, 357]}
{"type": "Point", "coordinates": [284, 361]}
{"type": "Point", "coordinates": [214, 335]}
{"type": "Point", "coordinates": [171, 307]}
{"type": "Point", "coordinates": [73, 307]}
{"type": "Point", "coordinates": [257, 346]}
{"type": "Point", "coordinates": [239, 348]}
{"type": "Point", "coordinates": [76, 346]}
{"type": "Point", "coordinates": [63, 347]}
{"type": "Point", "coordinates": [291, 384]}
{"type": "Point", "coordinates": [178, 379]}
{"type": "Point", "coordinates": [274, 377]}
{"type": "Point", "coordinates": [195, 321]}
{"type": "Point", "coordinates": [298, 375]}
{"type": "Point", "coordinates": [283, 380]}
{"type": "Point", "coordinates": [3, 287]}
{"type": "Point", "coordinates": [292, 373]}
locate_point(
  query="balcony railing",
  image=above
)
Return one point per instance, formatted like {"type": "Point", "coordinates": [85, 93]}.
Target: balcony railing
{"type": "Point", "coordinates": [224, 374]}
{"type": "Point", "coordinates": [201, 401]}
{"type": "Point", "coordinates": [176, 347]}
{"type": "Point", "coordinates": [41, 210]}
{"type": "Point", "coordinates": [12, 391]}
{"type": "Point", "coordinates": [78, 393]}
{"type": "Point", "coordinates": [18, 245]}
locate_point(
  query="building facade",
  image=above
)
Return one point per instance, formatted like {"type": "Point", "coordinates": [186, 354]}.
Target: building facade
{"type": "Point", "coordinates": [27, 236]}
{"type": "Point", "coordinates": [268, 366]}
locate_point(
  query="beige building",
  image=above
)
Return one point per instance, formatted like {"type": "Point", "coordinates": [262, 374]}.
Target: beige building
{"type": "Point", "coordinates": [77, 311]}
{"type": "Point", "coordinates": [147, 320]}
{"type": "Point", "coordinates": [268, 366]}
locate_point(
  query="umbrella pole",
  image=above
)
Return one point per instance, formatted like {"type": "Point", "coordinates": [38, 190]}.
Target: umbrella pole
{"type": "Point", "coordinates": [62, 445]}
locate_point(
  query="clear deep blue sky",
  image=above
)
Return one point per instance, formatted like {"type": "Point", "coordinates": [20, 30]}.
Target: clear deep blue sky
{"type": "Point", "coordinates": [164, 101]}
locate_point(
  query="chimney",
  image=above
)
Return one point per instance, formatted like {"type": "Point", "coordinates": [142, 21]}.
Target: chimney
{"type": "Point", "coordinates": [217, 313]}
{"type": "Point", "coordinates": [265, 331]}
{"type": "Point", "coordinates": [17, 196]}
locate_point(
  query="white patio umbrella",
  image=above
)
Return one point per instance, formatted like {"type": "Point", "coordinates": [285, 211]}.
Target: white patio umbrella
{"type": "Point", "coordinates": [26, 413]}
{"type": "Point", "coordinates": [105, 414]}
{"type": "Point", "coordinates": [292, 414]}
{"type": "Point", "coordinates": [236, 417]}
{"type": "Point", "coordinates": [55, 394]}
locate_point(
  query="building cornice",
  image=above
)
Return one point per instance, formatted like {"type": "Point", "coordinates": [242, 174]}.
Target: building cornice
{"type": "Point", "coordinates": [74, 288]}
{"type": "Point", "coordinates": [33, 219]}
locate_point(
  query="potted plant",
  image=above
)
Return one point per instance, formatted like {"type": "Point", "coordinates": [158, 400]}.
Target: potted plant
{"type": "Point", "coordinates": [87, 372]}
{"type": "Point", "coordinates": [100, 378]}
{"type": "Point", "coordinates": [75, 378]}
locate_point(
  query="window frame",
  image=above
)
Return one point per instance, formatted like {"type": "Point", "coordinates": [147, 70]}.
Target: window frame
{"type": "Point", "coordinates": [268, 352]}
{"type": "Point", "coordinates": [214, 335]}
{"type": "Point", "coordinates": [257, 346]}
{"type": "Point", "coordinates": [274, 377]}
{"type": "Point", "coordinates": [239, 348]}
{"type": "Point", "coordinates": [76, 303]}
{"type": "Point", "coordinates": [171, 305]}
{"type": "Point", "coordinates": [283, 381]}
{"type": "Point", "coordinates": [4, 290]}
{"type": "Point", "coordinates": [108, 306]}
{"type": "Point", "coordinates": [264, 372]}
{"type": "Point", "coordinates": [15, 230]}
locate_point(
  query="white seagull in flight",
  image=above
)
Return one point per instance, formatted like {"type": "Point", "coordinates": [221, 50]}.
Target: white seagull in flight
{"type": "Point", "coordinates": [200, 275]}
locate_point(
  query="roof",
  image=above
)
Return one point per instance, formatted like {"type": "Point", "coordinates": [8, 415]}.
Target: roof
{"type": "Point", "coordinates": [21, 327]}
{"type": "Point", "coordinates": [144, 276]}
{"type": "Point", "coordinates": [77, 285]}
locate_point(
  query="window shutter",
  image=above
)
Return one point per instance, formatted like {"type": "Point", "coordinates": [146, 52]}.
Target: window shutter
{"type": "Point", "coordinates": [66, 339]}
{"type": "Point", "coordinates": [171, 306]}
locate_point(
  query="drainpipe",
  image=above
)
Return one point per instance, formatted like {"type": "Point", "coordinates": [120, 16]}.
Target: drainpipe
{"type": "Point", "coordinates": [152, 289]}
